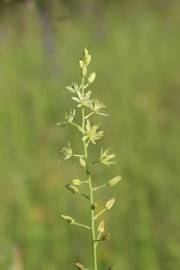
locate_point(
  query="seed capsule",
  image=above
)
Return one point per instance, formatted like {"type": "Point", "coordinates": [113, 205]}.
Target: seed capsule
{"type": "Point", "coordinates": [92, 77]}
{"type": "Point", "coordinates": [72, 188]}
{"type": "Point", "coordinates": [68, 219]}
{"type": "Point", "coordinates": [114, 181]}
{"type": "Point", "coordinates": [110, 203]}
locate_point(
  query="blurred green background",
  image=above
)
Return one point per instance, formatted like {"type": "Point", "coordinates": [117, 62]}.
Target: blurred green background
{"type": "Point", "coordinates": [135, 47]}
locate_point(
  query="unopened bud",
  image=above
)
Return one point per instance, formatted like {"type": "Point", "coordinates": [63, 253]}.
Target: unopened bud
{"type": "Point", "coordinates": [80, 266]}
{"type": "Point", "coordinates": [81, 64]}
{"type": "Point", "coordinates": [84, 71]}
{"type": "Point", "coordinates": [87, 59]}
{"type": "Point", "coordinates": [85, 52]}
{"type": "Point", "coordinates": [68, 219]}
{"type": "Point", "coordinates": [82, 162]}
{"type": "Point", "coordinates": [76, 182]}
{"type": "Point", "coordinates": [72, 188]}
{"type": "Point", "coordinates": [92, 77]}
{"type": "Point", "coordinates": [114, 181]}
{"type": "Point", "coordinates": [110, 203]}
{"type": "Point", "coordinates": [101, 227]}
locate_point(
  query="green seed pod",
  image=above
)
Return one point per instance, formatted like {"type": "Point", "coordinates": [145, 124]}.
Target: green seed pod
{"type": "Point", "coordinates": [72, 188]}
{"type": "Point", "coordinates": [101, 227]}
{"type": "Point", "coordinates": [81, 64]}
{"type": "Point", "coordinates": [76, 182]}
{"type": "Point", "coordinates": [110, 203]}
{"type": "Point", "coordinates": [68, 219]}
{"type": "Point", "coordinates": [84, 71]}
{"type": "Point", "coordinates": [114, 181]}
{"type": "Point", "coordinates": [92, 77]}
{"type": "Point", "coordinates": [82, 162]}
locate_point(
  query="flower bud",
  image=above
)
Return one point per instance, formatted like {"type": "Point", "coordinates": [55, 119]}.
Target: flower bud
{"type": "Point", "coordinates": [81, 64]}
{"type": "Point", "coordinates": [68, 219]}
{"type": "Point", "coordinates": [87, 59]}
{"type": "Point", "coordinates": [114, 181]}
{"type": "Point", "coordinates": [80, 266]}
{"type": "Point", "coordinates": [110, 203]}
{"type": "Point", "coordinates": [85, 52]}
{"type": "Point", "coordinates": [76, 182]}
{"type": "Point", "coordinates": [82, 162]}
{"type": "Point", "coordinates": [72, 188]}
{"type": "Point", "coordinates": [101, 227]}
{"type": "Point", "coordinates": [84, 71]}
{"type": "Point", "coordinates": [92, 77]}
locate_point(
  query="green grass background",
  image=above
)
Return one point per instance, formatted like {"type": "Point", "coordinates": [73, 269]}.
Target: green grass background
{"type": "Point", "coordinates": [136, 57]}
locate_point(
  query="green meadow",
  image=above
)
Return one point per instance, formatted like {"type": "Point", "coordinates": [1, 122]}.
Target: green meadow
{"type": "Point", "coordinates": [135, 54]}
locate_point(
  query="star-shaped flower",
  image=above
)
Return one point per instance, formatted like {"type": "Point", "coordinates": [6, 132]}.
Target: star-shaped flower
{"type": "Point", "coordinates": [106, 157]}
{"type": "Point", "coordinates": [91, 133]}
{"type": "Point", "coordinates": [97, 106]}
{"type": "Point", "coordinates": [67, 151]}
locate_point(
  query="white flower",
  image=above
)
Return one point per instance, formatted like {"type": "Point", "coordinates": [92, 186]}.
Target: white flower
{"type": "Point", "coordinates": [96, 107]}
{"type": "Point", "coordinates": [83, 99]}
{"type": "Point", "coordinates": [106, 157]}
{"type": "Point", "coordinates": [73, 88]}
{"type": "Point", "coordinates": [70, 116]}
{"type": "Point", "coordinates": [67, 151]}
{"type": "Point", "coordinates": [68, 119]}
{"type": "Point", "coordinates": [91, 133]}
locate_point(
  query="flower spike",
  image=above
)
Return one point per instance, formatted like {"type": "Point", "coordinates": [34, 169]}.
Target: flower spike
{"type": "Point", "coordinates": [88, 108]}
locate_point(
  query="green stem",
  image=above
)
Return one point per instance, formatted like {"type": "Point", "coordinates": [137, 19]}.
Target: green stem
{"type": "Point", "coordinates": [87, 116]}
{"type": "Point", "coordinates": [99, 187]}
{"type": "Point", "coordinates": [81, 225]}
{"type": "Point", "coordinates": [91, 193]}
{"type": "Point", "coordinates": [85, 196]}
{"type": "Point", "coordinates": [93, 233]}
{"type": "Point", "coordinates": [100, 213]}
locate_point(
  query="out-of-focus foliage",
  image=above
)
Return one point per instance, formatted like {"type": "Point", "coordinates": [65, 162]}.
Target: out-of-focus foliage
{"type": "Point", "coordinates": [135, 48]}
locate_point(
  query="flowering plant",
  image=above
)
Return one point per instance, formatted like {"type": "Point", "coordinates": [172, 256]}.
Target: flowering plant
{"type": "Point", "coordinates": [90, 134]}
